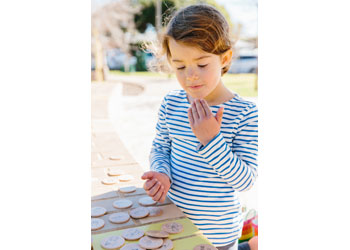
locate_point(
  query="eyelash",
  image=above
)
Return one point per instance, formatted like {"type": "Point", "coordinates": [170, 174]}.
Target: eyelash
{"type": "Point", "coordinates": [201, 66]}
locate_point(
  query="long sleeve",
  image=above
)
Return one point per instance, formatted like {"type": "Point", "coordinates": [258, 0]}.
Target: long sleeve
{"type": "Point", "coordinates": [161, 146]}
{"type": "Point", "coordinates": [237, 165]}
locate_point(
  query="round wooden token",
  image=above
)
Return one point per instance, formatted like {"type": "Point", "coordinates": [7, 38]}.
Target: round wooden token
{"type": "Point", "coordinates": [204, 247]}
{"type": "Point", "coordinates": [112, 242]}
{"type": "Point", "coordinates": [119, 218]}
{"type": "Point", "coordinates": [157, 234]}
{"type": "Point", "coordinates": [109, 181]}
{"type": "Point", "coordinates": [150, 243]}
{"type": "Point", "coordinates": [98, 211]}
{"type": "Point", "coordinates": [133, 234]}
{"type": "Point", "coordinates": [155, 211]}
{"type": "Point", "coordinates": [97, 224]}
{"type": "Point", "coordinates": [123, 203]}
{"type": "Point", "coordinates": [172, 227]}
{"type": "Point", "coordinates": [116, 157]}
{"type": "Point", "coordinates": [125, 177]}
{"type": "Point", "coordinates": [167, 245]}
{"type": "Point", "coordinates": [139, 212]}
{"type": "Point", "coordinates": [133, 246]}
{"type": "Point", "coordinates": [147, 201]}
{"type": "Point", "coordinates": [127, 189]}
{"type": "Point", "coordinates": [114, 172]}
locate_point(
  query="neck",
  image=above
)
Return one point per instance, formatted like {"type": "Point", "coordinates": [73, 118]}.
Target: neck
{"type": "Point", "coordinates": [219, 95]}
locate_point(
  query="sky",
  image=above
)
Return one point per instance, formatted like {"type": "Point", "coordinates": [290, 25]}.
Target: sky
{"type": "Point", "coordinates": [244, 12]}
{"type": "Point", "coordinates": [241, 11]}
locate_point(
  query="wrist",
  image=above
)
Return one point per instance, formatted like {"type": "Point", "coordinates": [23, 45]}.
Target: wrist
{"type": "Point", "coordinates": [204, 142]}
{"type": "Point", "coordinates": [166, 176]}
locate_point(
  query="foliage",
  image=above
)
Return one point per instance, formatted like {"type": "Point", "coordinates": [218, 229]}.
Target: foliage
{"type": "Point", "coordinates": [148, 11]}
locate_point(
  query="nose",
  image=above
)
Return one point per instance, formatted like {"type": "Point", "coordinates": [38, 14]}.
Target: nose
{"type": "Point", "coordinates": [191, 75]}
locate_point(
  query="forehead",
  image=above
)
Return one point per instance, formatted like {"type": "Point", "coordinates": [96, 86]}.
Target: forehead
{"type": "Point", "coordinates": [181, 51]}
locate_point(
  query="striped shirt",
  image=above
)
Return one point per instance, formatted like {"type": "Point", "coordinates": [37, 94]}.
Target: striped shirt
{"type": "Point", "coordinates": [205, 179]}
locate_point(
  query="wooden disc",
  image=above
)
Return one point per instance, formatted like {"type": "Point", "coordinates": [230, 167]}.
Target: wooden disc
{"type": "Point", "coordinates": [129, 189]}
{"type": "Point", "coordinates": [112, 242]}
{"type": "Point", "coordinates": [97, 224]}
{"type": "Point", "coordinates": [172, 227]}
{"type": "Point", "coordinates": [167, 245]}
{"type": "Point", "coordinates": [138, 213]}
{"type": "Point", "coordinates": [150, 243]}
{"type": "Point", "coordinates": [133, 234]}
{"type": "Point", "coordinates": [122, 203]}
{"type": "Point", "coordinates": [204, 247]}
{"type": "Point", "coordinates": [109, 181]}
{"type": "Point", "coordinates": [125, 177]}
{"type": "Point", "coordinates": [119, 218]}
{"type": "Point", "coordinates": [155, 211]}
{"type": "Point", "coordinates": [157, 234]}
{"type": "Point", "coordinates": [147, 201]}
{"type": "Point", "coordinates": [98, 211]}
{"type": "Point", "coordinates": [132, 246]}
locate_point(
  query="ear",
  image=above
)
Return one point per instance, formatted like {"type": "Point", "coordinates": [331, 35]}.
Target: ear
{"type": "Point", "coordinates": [226, 57]}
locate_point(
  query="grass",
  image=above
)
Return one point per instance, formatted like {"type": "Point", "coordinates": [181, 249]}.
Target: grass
{"type": "Point", "coordinates": [243, 84]}
{"type": "Point", "coordinates": [141, 73]}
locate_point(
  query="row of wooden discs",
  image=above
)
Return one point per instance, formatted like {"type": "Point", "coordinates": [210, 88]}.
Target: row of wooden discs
{"type": "Point", "coordinates": [152, 239]}
{"type": "Point", "coordinates": [145, 210]}
{"type": "Point", "coordinates": [115, 176]}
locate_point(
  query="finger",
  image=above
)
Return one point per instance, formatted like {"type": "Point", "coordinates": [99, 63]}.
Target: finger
{"type": "Point", "coordinates": [149, 184]}
{"type": "Point", "coordinates": [201, 112]}
{"type": "Point", "coordinates": [158, 195]}
{"type": "Point", "coordinates": [219, 115]}
{"type": "Point", "coordinates": [147, 175]}
{"type": "Point", "coordinates": [154, 189]}
{"type": "Point", "coordinates": [194, 111]}
{"type": "Point", "coordinates": [162, 199]}
{"type": "Point", "coordinates": [190, 116]}
{"type": "Point", "coordinates": [206, 108]}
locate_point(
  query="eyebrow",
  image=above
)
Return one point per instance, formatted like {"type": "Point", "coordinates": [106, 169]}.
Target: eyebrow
{"type": "Point", "coordinates": [176, 60]}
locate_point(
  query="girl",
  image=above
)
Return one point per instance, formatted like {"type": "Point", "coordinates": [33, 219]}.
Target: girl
{"type": "Point", "coordinates": [205, 148]}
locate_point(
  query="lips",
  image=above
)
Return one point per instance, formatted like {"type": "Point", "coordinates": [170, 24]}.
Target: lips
{"type": "Point", "coordinates": [195, 86]}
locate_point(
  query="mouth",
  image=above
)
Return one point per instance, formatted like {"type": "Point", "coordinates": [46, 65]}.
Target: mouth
{"type": "Point", "coordinates": [195, 86]}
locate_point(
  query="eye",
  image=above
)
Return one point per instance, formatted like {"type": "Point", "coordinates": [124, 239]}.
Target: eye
{"type": "Point", "coordinates": [202, 66]}
{"type": "Point", "coordinates": [181, 68]}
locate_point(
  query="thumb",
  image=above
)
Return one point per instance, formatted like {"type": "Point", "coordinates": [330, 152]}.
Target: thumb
{"type": "Point", "coordinates": [219, 115]}
{"type": "Point", "coordinates": [147, 175]}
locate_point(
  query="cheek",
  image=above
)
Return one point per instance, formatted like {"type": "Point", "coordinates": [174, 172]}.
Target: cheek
{"type": "Point", "coordinates": [211, 75]}
{"type": "Point", "coordinates": [181, 78]}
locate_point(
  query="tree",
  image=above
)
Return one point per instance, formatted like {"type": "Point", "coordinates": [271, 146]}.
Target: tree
{"type": "Point", "coordinates": [113, 27]}
{"type": "Point", "coordinates": [148, 11]}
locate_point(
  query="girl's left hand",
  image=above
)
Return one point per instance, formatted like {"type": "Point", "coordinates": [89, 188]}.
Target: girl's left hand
{"type": "Point", "coordinates": [203, 123]}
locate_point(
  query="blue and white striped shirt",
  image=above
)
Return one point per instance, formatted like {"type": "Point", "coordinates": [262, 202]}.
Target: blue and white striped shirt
{"type": "Point", "coordinates": [205, 179]}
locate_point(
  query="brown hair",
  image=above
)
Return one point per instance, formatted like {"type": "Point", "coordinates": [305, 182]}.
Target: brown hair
{"type": "Point", "coordinates": [199, 25]}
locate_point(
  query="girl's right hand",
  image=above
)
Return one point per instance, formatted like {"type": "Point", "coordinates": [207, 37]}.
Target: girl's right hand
{"type": "Point", "coordinates": [157, 185]}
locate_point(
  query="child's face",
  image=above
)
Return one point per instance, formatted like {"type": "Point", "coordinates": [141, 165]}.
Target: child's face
{"type": "Point", "coordinates": [197, 71]}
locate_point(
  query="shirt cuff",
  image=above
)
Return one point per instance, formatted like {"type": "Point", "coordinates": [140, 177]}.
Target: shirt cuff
{"type": "Point", "coordinates": [216, 141]}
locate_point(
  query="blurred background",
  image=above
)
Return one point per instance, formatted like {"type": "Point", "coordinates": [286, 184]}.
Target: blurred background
{"type": "Point", "coordinates": [118, 30]}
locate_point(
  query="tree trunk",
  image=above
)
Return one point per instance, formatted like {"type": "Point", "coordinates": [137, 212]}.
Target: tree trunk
{"type": "Point", "coordinates": [98, 53]}
{"type": "Point", "coordinates": [126, 62]}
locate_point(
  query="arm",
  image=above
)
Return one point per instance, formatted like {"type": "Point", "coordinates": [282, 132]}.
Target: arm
{"type": "Point", "coordinates": [161, 146]}
{"type": "Point", "coordinates": [237, 166]}
{"type": "Point", "coordinates": [158, 180]}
